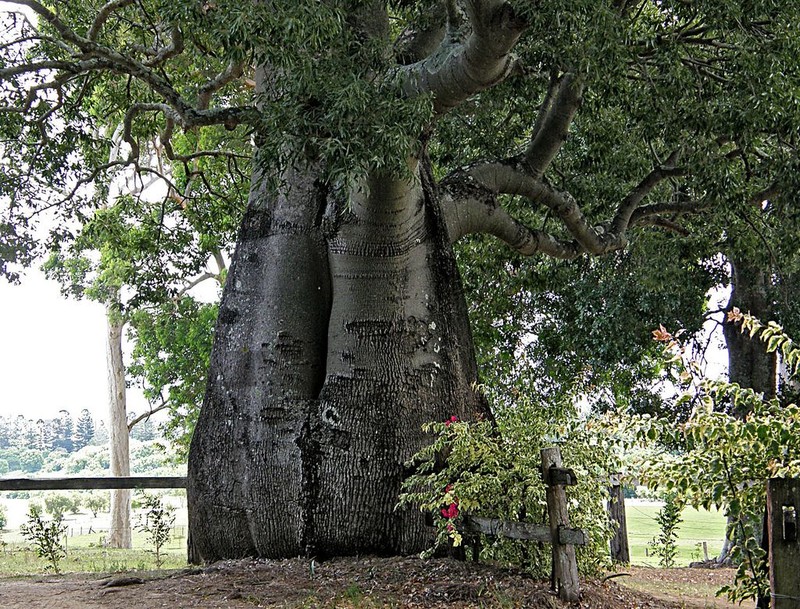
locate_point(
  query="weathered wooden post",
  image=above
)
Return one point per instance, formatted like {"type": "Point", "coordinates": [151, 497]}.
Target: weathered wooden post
{"type": "Point", "coordinates": [620, 551]}
{"type": "Point", "coordinates": [783, 507]}
{"type": "Point", "coordinates": [565, 564]}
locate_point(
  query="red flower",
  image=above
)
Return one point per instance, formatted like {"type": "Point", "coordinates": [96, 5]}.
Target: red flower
{"type": "Point", "coordinates": [450, 421]}
{"type": "Point", "coordinates": [451, 511]}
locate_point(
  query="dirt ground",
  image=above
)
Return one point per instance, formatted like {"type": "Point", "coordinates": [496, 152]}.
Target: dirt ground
{"type": "Point", "coordinates": [345, 582]}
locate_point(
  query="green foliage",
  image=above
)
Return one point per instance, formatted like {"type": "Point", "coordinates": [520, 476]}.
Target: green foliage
{"type": "Point", "coordinates": [492, 470]}
{"type": "Point", "coordinates": [170, 357]}
{"type": "Point", "coordinates": [97, 502]}
{"type": "Point", "coordinates": [664, 545]}
{"type": "Point", "coordinates": [47, 536]}
{"type": "Point", "coordinates": [3, 517]}
{"type": "Point", "coordinates": [157, 523]}
{"type": "Point", "coordinates": [724, 460]}
{"type": "Point", "coordinates": [58, 505]}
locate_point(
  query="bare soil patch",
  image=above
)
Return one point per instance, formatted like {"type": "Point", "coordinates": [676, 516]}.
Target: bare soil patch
{"type": "Point", "coordinates": [344, 582]}
{"type": "Point", "coordinates": [689, 587]}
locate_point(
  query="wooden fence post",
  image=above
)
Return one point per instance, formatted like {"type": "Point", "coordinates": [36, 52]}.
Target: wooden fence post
{"type": "Point", "coordinates": [783, 514]}
{"type": "Point", "coordinates": [620, 551]}
{"type": "Point", "coordinates": [565, 565]}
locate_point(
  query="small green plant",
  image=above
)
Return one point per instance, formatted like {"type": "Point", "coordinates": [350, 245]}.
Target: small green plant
{"type": "Point", "coordinates": [47, 536]}
{"type": "Point", "coordinates": [665, 544]}
{"type": "Point", "coordinates": [3, 517]}
{"type": "Point", "coordinates": [157, 523]}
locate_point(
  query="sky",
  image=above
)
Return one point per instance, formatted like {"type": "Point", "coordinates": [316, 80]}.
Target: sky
{"type": "Point", "coordinates": [52, 352]}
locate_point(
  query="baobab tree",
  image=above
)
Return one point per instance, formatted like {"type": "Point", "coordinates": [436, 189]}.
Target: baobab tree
{"type": "Point", "coordinates": [382, 133]}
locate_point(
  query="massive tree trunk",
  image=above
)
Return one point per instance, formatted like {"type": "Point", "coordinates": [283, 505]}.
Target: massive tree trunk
{"type": "Point", "coordinates": [342, 330]}
{"type": "Point", "coordinates": [119, 536]}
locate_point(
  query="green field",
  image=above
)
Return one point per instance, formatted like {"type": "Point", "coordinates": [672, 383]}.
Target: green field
{"type": "Point", "coordinates": [698, 526]}
{"type": "Point", "coordinates": [85, 553]}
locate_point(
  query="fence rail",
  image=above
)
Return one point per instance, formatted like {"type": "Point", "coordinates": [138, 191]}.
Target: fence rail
{"type": "Point", "coordinates": [91, 483]}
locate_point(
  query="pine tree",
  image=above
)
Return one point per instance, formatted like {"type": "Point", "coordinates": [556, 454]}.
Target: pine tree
{"type": "Point", "coordinates": [84, 430]}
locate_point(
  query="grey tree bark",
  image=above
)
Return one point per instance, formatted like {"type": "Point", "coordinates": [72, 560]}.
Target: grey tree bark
{"type": "Point", "coordinates": [119, 535]}
{"type": "Point", "coordinates": [342, 330]}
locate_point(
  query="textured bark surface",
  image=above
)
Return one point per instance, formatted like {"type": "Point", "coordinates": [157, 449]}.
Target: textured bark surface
{"type": "Point", "coordinates": [342, 330]}
{"type": "Point", "coordinates": [749, 364]}
{"type": "Point", "coordinates": [119, 535]}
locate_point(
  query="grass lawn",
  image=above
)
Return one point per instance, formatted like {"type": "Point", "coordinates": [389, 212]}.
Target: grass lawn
{"type": "Point", "coordinates": [86, 554]}
{"type": "Point", "coordinates": [698, 526]}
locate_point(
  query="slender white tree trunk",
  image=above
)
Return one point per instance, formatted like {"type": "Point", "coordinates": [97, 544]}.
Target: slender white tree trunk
{"type": "Point", "coordinates": [120, 534]}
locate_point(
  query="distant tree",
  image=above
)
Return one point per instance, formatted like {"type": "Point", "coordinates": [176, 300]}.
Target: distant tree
{"type": "Point", "coordinates": [64, 428]}
{"type": "Point", "coordinates": [100, 434]}
{"type": "Point", "coordinates": [45, 434]}
{"type": "Point", "coordinates": [5, 432]}
{"type": "Point", "coordinates": [84, 429]}
{"type": "Point", "coordinates": [97, 503]}
{"type": "Point", "coordinates": [144, 429]}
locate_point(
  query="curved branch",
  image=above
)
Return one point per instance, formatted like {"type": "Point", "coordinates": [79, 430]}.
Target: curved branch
{"type": "Point", "coordinates": [103, 14]}
{"type": "Point", "coordinates": [231, 73]}
{"type": "Point", "coordinates": [186, 115]}
{"type": "Point", "coordinates": [163, 405]}
{"type": "Point", "coordinates": [561, 104]}
{"type": "Point", "coordinates": [509, 178]}
{"type": "Point", "coordinates": [470, 209]}
{"type": "Point", "coordinates": [626, 209]}
{"type": "Point", "coordinates": [458, 70]}
{"type": "Point", "coordinates": [173, 49]}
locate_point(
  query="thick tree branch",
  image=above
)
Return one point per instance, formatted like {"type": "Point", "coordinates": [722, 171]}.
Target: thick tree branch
{"type": "Point", "coordinates": [470, 209]}
{"type": "Point", "coordinates": [561, 104]}
{"type": "Point", "coordinates": [459, 70]}
{"type": "Point", "coordinates": [511, 177]}
{"type": "Point", "coordinates": [419, 40]}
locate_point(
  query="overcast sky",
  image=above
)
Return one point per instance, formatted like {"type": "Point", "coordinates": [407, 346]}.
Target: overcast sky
{"type": "Point", "coordinates": [52, 352]}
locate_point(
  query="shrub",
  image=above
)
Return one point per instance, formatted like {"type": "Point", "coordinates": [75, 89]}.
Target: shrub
{"type": "Point", "coordinates": [157, 523]}
{"type": "Point", "coordinates": [47, 536]}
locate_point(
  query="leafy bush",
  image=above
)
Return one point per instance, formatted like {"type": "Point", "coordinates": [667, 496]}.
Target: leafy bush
{"type": "Point", "coordinates": [725, 460]}
{"type": "Point", "coordinates": [47, 536]}
{"type": "Point", "coordinates": [495, 471]}
{"type": "Point", "coordinates": [665, 545]}
{"type": "Point", "coordinates": [156, 523]}
{"type": "Point", "coordinates": [3, 517]}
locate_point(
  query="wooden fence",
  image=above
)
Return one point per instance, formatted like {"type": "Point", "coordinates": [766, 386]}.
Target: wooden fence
{"type": "Point", "coordinates": [557, 532]}
{"type": "Point", "coordinates": [783, 504]}
{"type": "Point", "coordinates": [91, 483]}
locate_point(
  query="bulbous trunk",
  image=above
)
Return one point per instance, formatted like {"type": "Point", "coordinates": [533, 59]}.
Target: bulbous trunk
{"type": "Point", "coordinates": [342, 330]}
